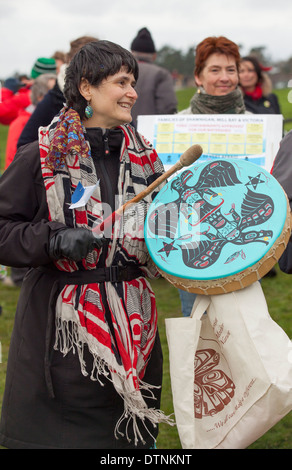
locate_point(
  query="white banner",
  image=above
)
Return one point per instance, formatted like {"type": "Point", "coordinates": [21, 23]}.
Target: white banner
{"type": "Point", "coordinates": [252, 137]}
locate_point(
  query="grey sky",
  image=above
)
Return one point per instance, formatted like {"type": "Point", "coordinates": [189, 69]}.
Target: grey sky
{"type": "Point", "coordinates": [37, 28]}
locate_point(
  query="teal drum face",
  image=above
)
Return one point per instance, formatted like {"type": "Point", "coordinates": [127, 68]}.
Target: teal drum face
{"type": "Point", "coordinates": [217, 223]}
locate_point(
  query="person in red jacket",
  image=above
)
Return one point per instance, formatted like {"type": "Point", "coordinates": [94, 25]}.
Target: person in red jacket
{"type": "Point", "coordinates": [41, 86]}
{"type": "Point", "coordinates": [12, 103]}
{"type": "Point", "coordinates": [10, 107]}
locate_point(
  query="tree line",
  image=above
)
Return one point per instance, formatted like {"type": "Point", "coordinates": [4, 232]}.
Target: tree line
{"type": "Point", "coordinates": [182, 63]}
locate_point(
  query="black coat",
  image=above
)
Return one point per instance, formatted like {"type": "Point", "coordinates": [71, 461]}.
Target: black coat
{"type": "Point", "coordinates": [282, 171]}
{"type": "Point", "coordinates": [264, 105]}
{"type": "Point", "coordinates": [82, 413]}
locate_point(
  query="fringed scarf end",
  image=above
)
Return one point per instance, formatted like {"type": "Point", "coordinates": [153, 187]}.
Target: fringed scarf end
{"type": "Point", "coordinates": [69, 338]}
{"type": "Point", "coordinates": [153, 415]}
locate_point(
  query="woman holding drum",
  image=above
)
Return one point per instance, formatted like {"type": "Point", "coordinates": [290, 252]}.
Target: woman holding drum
{"type": "Point", "coordinates": [85, 361]}
{"type": "Point", "coordinates": [216, 74]}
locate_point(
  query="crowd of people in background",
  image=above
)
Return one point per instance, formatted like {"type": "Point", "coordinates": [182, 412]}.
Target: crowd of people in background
{"type": "Point", "coordinates": [156, 88]}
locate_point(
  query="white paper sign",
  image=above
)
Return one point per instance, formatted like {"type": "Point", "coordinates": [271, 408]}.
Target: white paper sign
{"type": "Point", "coordinates": [252, 137]}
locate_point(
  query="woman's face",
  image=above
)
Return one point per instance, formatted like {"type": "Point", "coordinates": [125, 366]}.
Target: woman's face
{"type": "Point", "coordinates": [247, 75]}
{"type": "Point", "coordinates": [111, 101]}
{"type": "Point", "coordinates": [219, 75]}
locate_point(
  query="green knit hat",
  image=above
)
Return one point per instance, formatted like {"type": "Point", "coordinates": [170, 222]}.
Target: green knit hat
{"type": "Point", "coordinates": [43, 65]}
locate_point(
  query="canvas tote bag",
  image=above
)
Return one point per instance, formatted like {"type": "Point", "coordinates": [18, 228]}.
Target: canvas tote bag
{"type": "Point", "coordinates": [231, 370]}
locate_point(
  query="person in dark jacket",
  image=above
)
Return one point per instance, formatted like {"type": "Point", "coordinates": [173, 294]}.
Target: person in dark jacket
{"type": "Point", "coordinates": [257, 87]}
{"type": "Point", "coordinates": [155, 86]}
{"type": "Point", "coordinates": [85, 361]}
{"type": "Point", "coordinates": [282, 171]}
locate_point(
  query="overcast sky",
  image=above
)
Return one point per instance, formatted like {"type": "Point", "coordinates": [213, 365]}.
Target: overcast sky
{"type": "Point", "coordinates": [37, 28]}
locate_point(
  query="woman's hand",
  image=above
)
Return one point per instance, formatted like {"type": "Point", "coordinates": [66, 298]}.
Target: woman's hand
{"type": "Point", "coordinates": [73, 243]}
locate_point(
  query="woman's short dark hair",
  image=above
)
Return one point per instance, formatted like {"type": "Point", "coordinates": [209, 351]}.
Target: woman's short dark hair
{"type": "Point", "coordinates": [95, 61]}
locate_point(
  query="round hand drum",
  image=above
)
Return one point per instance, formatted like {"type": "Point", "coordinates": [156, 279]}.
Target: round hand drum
{"type": "Point", "coordinates": [218, 226]}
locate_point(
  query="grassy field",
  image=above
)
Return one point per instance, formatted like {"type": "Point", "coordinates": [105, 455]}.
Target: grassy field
{"type": "Point", "coordinates": [277, 290]}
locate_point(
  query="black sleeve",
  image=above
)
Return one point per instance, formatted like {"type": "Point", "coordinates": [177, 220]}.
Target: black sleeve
{"type": "Point", "coordinates": [24, 226]}
{"type": "Point", "coordinates": [282, 171]}
{"type": "Point", "coordinates": [275, 103]}
{"type": "Point", "coordinates": [282, 165]}
{"type": "Point", "coordinates": [285, 262]}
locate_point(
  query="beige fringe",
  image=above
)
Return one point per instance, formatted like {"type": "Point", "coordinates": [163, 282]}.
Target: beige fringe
{"type": "Point", "coordinates": [70, 337]}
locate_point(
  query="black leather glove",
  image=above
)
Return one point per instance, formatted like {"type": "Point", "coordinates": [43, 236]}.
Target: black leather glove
{"type": "Point", "coordinates": [73, 243]}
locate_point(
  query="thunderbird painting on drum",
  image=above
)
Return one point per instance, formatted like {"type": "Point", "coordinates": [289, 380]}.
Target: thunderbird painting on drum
{"type": "Point", "coordinates": [218, 226]}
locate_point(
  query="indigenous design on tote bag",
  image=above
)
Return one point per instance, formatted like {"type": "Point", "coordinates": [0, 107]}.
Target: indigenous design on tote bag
{"type": "Point", "coordinates": [253, 353]}
{"type": "Point", "coordinates": [213, 388]}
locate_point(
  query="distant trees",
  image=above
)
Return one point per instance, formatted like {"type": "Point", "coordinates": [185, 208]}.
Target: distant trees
{"type": "Point", "coordinates": [261, 54]}
{"type": "Point", "coordinates": [177, 61]}
{"type": "Point", "coordinates": [181, 64]}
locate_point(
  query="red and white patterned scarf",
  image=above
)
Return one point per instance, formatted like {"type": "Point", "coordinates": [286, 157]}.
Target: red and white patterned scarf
{"type": "Point", "coordinates": [80, 313]}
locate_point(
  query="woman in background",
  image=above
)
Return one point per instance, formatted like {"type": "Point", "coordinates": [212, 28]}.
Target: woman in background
{"type": "Point", "coordinates": [217, 62]}
{"type": "Point", "coordinates": [85, 361]}
{"type": "Point", "coordinates": [257, 87]}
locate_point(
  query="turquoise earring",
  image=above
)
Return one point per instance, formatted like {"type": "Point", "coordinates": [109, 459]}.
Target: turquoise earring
{"type": "Point", "coordinates": [88, 111]}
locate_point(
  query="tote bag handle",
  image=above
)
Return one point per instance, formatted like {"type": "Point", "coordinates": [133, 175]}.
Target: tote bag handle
{"type": "Point", "coordinates": [200, 306]}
